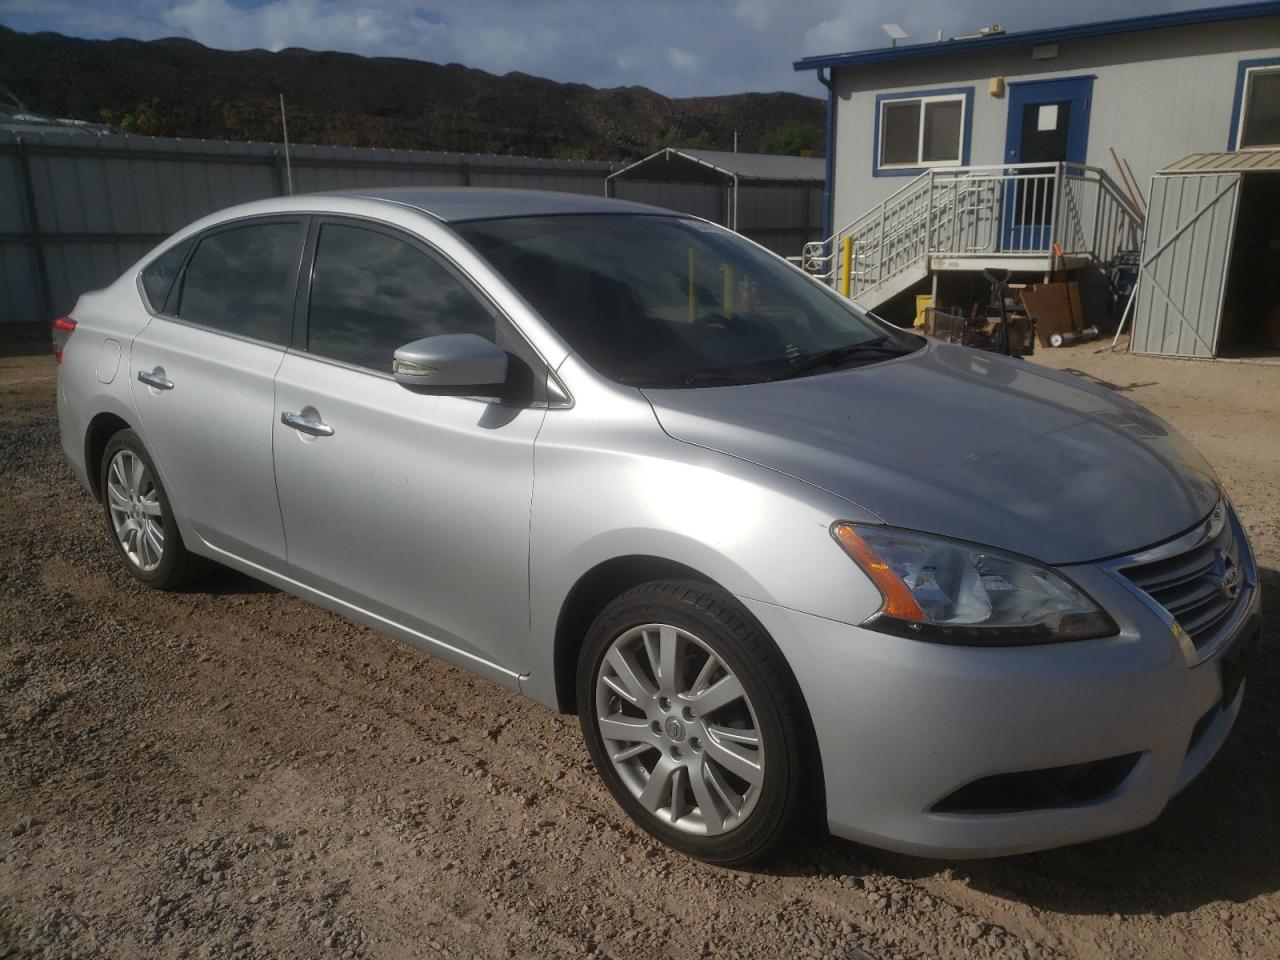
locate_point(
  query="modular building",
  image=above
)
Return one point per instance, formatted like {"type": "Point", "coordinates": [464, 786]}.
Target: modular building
{"type": "Point", "coordinates": [1035, 150]}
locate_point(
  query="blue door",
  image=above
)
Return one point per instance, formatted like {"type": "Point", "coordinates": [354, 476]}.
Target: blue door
{"type": "Point", "coordinates": [1048, 124]}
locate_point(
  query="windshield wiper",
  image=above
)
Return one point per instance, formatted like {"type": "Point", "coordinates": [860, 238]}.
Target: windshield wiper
{"type": "Point", "coordinates": [698, 378]}
{"type": "Point", "coordinates": [835, 356]}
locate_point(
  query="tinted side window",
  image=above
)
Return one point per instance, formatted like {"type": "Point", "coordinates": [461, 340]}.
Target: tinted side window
{"type": "Point", "coordinates": [372, 293]}
{"type": "Point", "coordinates": [158, 276]}
{"type": "Point", "coordinates": [240, 280]}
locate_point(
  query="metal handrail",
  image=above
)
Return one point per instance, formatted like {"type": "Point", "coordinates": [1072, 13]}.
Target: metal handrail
{"type": "Point", "coordinates": [1010, 210]}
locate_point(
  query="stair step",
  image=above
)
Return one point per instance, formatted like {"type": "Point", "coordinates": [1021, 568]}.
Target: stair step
{"type": "Point", "coordinates": [872, 296]}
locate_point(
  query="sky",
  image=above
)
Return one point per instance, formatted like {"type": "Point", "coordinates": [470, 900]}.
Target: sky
{"type": "Point", "coordinates": [677, 47]}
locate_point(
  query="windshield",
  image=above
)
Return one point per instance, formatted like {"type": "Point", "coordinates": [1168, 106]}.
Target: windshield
{"type": "Point", "coordinates": [670, 302]}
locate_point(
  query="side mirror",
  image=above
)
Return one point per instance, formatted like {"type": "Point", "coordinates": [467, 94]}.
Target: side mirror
{"type": "Point", "coordinates": [452, 360]}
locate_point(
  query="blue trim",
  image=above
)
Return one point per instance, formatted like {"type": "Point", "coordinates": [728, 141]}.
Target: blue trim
{"type": "Point", "coordinates": [1079, 90]}
{"type": "Point", "coordinates": [827, 216]}
{"type": "Point", "coordinates": [966, 134]}
{"type": "Point", "coordinates": [915, 51]}
{"type": "Point", "coordinates": [1237, 105]}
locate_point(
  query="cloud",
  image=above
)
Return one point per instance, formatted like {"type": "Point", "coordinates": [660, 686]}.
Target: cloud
{"type": "Point", "coordinates": [370, 29]}
{"type": "Point", "coordinates": [682, 59]}
{"type": "Point", "coordinates": [679, 47]}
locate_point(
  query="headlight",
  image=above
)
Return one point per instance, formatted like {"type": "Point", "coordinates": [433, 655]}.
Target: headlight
{"type": "Point", "coordinates": [953, 592]}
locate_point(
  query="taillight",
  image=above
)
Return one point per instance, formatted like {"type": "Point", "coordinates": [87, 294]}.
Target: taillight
{"type": "Point", "coordinates": [63, 327]}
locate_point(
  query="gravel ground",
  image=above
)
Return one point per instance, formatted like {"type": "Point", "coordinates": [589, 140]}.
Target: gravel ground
{"type": "Point", "coordinates": [233, 773]}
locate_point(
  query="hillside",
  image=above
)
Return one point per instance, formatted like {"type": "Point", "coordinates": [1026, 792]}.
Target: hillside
{"type": "Point", "coordinates": [180, 88]}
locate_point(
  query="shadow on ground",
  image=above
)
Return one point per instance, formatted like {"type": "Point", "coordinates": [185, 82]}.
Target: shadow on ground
{"type": "Point", "coordinates": [225, 582]}
{"type": "Point", "coordinates": [1218, 840]}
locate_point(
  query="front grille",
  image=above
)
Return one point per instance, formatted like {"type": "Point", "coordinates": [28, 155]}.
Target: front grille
{"type": "Point", "coordinates": [1200, 585]}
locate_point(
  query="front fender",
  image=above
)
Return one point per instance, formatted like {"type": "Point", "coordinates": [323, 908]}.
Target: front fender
{"type": "Point", "coordinates": [606, 490]}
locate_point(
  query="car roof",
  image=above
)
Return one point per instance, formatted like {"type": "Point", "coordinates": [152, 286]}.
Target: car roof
{"type": "Point", "coordinates": [458, 204]}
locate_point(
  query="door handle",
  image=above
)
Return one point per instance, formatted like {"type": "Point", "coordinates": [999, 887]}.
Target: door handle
{"type": "Point", "coordinates": [317, 428]}
{"type": "Point", "coordinates": [155, 378]}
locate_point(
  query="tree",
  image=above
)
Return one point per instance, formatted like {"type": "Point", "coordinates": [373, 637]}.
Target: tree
{"type": "Point", "coordinates": [676, 138]}
{"type": "Point", "coordinates": [143, 119]}
{"type": "Point", "coordinates": [795, 138]}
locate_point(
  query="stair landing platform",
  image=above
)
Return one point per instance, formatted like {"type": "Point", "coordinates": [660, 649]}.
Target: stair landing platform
{"type": "Point", "coordinates": [1018, 263]}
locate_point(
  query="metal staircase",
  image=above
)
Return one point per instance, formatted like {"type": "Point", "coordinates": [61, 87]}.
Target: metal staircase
{"type": "Point", "coordinates": [969, 218]}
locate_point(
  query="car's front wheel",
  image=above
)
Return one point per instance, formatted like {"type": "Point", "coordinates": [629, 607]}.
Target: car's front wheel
{"type": "Point", "coordinates": [692, 720]}
{"type": "Point", "coordinates": [140, 518]}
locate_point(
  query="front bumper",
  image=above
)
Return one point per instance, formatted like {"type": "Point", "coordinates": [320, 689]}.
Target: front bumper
{"type": "Point", "coordinates": [903, 724]}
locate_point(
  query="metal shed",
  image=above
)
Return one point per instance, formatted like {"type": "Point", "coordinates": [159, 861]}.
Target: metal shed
{"type": "Point", "coordinates": [1209, 283]}
{"type": "Point", "coordinates": [774, 200]}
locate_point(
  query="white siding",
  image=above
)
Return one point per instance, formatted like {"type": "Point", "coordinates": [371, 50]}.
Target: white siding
{"type": "Point", "coordinates": [1157, 96]}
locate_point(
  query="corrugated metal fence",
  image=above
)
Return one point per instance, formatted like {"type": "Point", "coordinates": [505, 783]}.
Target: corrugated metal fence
{"type": "Point", "coordinates": [77, 210]}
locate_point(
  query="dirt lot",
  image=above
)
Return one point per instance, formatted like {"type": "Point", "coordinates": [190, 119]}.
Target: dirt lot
{"type": "Point", "coordinates": [231, 772]}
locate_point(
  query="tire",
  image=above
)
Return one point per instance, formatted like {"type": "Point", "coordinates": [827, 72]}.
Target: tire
{"type": "Point", "coordinates": [668, 724]}
{"type": "Point", "coordinates": [138, 513]}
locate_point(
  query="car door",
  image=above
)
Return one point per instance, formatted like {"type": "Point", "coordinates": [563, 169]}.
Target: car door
{"type": "Point", "coordinates": [203, 383]}
{"type": "Point", "coordinates": [411, 506]}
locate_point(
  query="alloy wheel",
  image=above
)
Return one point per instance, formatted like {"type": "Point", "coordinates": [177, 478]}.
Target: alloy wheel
{"type": "Point", "coordinates": [136, 516]}
{"type": "Point", "coordinates": [679, 729]}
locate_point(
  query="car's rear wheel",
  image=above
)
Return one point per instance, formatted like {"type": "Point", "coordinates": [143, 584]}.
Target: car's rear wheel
{"type": "Point", "coordinates": [140, 518]}
{"type": "Point", "coordinates": [692, 721]}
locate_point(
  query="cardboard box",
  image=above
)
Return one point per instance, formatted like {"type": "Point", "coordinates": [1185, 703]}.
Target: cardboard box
{"type": "Point", "coordinates": [1056, 308]}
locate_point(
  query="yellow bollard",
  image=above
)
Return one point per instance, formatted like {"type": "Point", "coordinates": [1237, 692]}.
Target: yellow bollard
{"type": "Point", "coordinates": [846, 265]}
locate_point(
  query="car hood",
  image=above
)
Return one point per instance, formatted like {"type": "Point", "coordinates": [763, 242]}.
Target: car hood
{"type": "Point", "coordinates": [965, 444]}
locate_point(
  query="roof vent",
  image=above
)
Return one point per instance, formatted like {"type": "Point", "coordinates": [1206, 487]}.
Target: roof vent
{"type": "Point", "coordinates": [991, 31]}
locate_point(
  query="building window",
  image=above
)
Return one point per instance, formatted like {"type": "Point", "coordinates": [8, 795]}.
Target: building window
{"type": "Point", "coordinates": [1259, 108]}
{"type": "Point", "coordinates": [915, 131]}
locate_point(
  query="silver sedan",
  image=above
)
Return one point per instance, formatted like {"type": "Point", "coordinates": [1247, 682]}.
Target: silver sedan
{"type": "Point", "coordinates": [785, 561]}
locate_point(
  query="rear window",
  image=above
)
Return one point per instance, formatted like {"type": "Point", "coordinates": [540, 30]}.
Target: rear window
{"type": "Point", "coordinates": [158, 276]}
{"type": "Point", "coordinates": [241, 280]}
